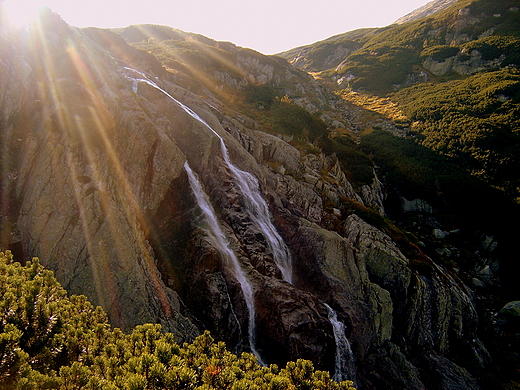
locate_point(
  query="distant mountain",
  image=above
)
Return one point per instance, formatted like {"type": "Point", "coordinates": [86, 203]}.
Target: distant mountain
{"type": "Point", "coordinates": [400, 55]}
{"type": "Point", "coordinates": [425, 11]}
{"type": "Point", "coordinates": [328, 53]}
{"type": "Point", "coordinates": [381, 60]}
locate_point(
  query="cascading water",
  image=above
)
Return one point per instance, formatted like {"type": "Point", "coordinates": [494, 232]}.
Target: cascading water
{"type": "Point", "coordinates": [258, 211]}
{"type": "Point", "coordinates": [218, 240]}
{"type": "Point", "coordinates": [256, 206]}
{"type": "Point", "coordinates": [345, 368]}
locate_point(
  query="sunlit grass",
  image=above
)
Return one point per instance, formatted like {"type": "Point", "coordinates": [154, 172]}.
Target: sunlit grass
{"type": "Point", "coordinates": [383, 106]}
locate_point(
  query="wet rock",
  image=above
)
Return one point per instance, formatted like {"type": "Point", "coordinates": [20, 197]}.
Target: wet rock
{"type": "Point", "coordinates": [292, 324]}
{"type": "Point", "coordinates": [416, 205]}
{"type": "Point", "coordinates": [509, 316]}
{"type": "Point", "coordinates": [441, 374]}
{"type": "Point", "coordinates": [385, 263]}
{"type": "Point", "coordinates": [400, 373]}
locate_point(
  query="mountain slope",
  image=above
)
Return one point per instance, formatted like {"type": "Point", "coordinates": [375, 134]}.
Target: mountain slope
{"type": "Point", "coordinates": [466, 40]}
{"type": "Point", "coordinates": [328, 53]}
{"type": "Point", "coordinates": [389, 56]}
{"type": "Point", "coordinates": [449, 84]}
{"type": "Point", "coordinates": [463, 59]}
{"type": "Point", "coordinates": [205, 186]}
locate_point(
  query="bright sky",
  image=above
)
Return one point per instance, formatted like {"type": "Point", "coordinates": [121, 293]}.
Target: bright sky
{"type": "Point", "coordinates": [269, 26]}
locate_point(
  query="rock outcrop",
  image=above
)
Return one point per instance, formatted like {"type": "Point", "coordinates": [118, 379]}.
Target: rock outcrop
{"type": "Point", "coordinates": [425, 11]}
{"type": "Point", "coordinates": [464, 64]}
{"type": "Point", "coordinates": [308, 59]}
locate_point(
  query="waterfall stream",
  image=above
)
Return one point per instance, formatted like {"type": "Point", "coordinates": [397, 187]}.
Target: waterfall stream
{"type": "Point", "coordinates": [345, 368]}
{"type": "Point", "coordinates": [217, 238]}
{"type": "Point", "coordinates": [258, 211]}
{"type": "Point", "coordinates": [256, 206]}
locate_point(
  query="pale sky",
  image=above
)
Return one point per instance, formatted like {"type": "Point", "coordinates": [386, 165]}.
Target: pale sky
{"type": "Point", "coordinates": [268, 26]}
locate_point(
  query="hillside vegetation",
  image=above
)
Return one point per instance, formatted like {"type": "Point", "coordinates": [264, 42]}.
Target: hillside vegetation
{"type": "Point", "coordinates": [51, 341]}
{"type": "Point", "coordinates": [390, 55]}
{"type": "Point", "coordinates": [454, 75]}
{"type": "Point", "coordinates": [475, 120]}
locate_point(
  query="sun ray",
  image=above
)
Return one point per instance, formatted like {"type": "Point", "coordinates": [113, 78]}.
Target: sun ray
{"type": "Point", "coordinates": [134, 216]}
{"type": "Point", "coordinates": [22, 13]}
{"type": "Point", "coordinates": [102, 268]}
{"type": "Point", "coordinates": [84, 124]}
{"type": "Point", "coordinates": [60, 121]}
{"type": "Point", "coordinates": [129, 199]}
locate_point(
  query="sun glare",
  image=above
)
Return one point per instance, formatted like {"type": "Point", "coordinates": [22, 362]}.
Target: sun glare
{"type": "Point", "coordinates": [22, 13]}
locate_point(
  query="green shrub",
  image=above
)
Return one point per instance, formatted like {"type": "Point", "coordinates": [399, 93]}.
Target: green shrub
{"type": "Point", "coordinates": [495, 46]}
{"type": "Point", "coordinates": [51, 341]}
{"type": "Point", "coordinates": [261, 95]}
{"type": "Point", "coordinates": [474, 120]}
{"type": "Point", "coordinates": [357, 166]}
{"type": "Point", "coordinates": [440, 52]}
{"type": "Point", "coordinates": [419, 172]}
{"type": "Point", "coordinates": [290, 119]}
{"type": "Point", "coordinates": [378, 68]}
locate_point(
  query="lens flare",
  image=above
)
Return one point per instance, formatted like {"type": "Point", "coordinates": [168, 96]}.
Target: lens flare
{"type": "Point", "coordinates": [22, 13]}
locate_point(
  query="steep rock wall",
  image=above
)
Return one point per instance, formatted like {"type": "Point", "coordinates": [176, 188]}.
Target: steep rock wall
{"type": "Point", "coordinates": [78, 194]}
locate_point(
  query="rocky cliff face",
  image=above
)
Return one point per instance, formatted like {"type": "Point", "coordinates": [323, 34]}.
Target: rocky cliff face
{"type": "Point", "coordinates": [463, 64]}
{"type": "Point", "coordinates": [95, 136]}
{"type": "Point", "coordinates": [73, 192]}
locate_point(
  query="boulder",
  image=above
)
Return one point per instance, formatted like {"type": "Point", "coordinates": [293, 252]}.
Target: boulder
{"type": "Point", "coordinates": [416, 205]}
{"type": "Point", "coordinates": [509, 316]}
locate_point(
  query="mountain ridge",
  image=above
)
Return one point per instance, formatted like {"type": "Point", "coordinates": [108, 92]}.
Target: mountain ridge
{"type": "Point", "coordinates": [453, 25]}
{"type": "Point", "coordinates": [426, 10]}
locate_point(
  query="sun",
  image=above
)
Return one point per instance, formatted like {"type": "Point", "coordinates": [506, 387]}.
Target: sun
{"type": "Point", "coordinates": [22, 13]}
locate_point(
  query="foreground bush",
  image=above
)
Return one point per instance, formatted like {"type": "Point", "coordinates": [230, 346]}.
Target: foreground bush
{"type": "Point", "coordinates": [51, 341]}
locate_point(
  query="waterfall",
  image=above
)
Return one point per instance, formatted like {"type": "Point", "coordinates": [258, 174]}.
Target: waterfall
{"type": "Point", "coordinates": [258, 211]}
{"type": "Point", "coordinates": [256, 206]}
{"type": "Point", "coordinates": [217, 238]}
{"type": "Point", "coordinates": [345, 368]}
